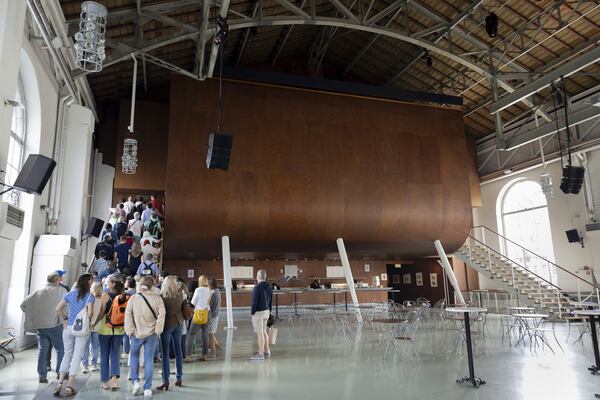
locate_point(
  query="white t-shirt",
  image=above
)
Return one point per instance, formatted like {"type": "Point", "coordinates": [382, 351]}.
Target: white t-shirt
{"type": "Point", "coordinates": [149, 249]}
{"type": "Point", "coordinates": [136, 226]}
{"type": "Point", "coordinates": [200, 298]}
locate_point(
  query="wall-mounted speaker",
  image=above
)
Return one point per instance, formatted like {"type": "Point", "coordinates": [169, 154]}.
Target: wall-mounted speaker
{"type": "Point", "coordinates": [219, 151]}
{"type": "Point", "coordinates": [94, 227]}
{"type": "Point", "coordinates": [572, 235]}
{"type": "Point", "coordinates": [35, 174]}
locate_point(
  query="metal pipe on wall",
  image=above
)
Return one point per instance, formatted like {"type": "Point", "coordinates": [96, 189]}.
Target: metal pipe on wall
{"type": "Point", "coordinates": [39, 20]}
{"type": "Point", "coordinates": [449, 271]}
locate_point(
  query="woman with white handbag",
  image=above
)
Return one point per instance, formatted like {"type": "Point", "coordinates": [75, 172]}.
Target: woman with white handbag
{"type": "Point", "coordinates": [76, 331]}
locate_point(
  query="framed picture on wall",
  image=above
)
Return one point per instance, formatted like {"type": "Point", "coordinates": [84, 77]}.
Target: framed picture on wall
{"type": "Point", "coordinates": [419, 278]}
{"type": "Point", "coordinates": [396, 279]}
{"type": "Point", "coordinates": [384, 277]}
{"type": "Point", "coordinates": [406, 279]}
{"type": "Point", "coordinates": [433, 279]}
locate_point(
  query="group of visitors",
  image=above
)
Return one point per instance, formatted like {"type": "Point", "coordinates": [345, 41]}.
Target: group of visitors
{"type": "Point", "coordinates": [131, 239]}
{"type": "Point", "coordinates": [97, 321]}
{"type": "Point", "coordinates": [128, 305]}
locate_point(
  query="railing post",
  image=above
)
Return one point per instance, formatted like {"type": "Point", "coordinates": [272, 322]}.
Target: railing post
{"type": "Point", "coordinates": [578, 291]}
{"type": "Point", "coordinates": [483, 236]}
{"type": "Point", "coordinates": [559, 305]}
{"type": "Point", "coordinates": [489, 254]}
{"type": "Point", "coordinates": [512, 270]}
{"type": "Point", "coordinates": [550, 273]}
{"type": "Point", "coordinates": [540, 292]}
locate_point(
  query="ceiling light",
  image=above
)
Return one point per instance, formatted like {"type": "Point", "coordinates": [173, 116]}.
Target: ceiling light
{"type": "Point", "coordinates": [129, 159]}
{"type": "Point", "coordinates": [491, 25]}
{"type": "Point", "coordinates": [89, 41]}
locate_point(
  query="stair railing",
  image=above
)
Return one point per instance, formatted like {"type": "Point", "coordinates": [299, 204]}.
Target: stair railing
{"type": "Point", "coordinates": [549, 264]}
{"type": "Point", "coordinates": [557, 290]}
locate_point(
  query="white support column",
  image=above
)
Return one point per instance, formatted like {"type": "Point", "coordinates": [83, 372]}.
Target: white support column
{"type": "Point", "coordinates": [449, 271]}
{"type": "Point", "coordinates": [227, 280]}
{"type": "Point", "coordinates": [349, 277]}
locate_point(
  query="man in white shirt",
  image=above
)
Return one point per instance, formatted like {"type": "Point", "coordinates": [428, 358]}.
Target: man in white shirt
{"type": "Point", "coordinates": [128, 205]}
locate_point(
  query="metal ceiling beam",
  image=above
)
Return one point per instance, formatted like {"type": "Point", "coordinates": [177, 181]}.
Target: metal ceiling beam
{"type": "Point", "coordinates": [131, 13]}
{"type": "Point", "coordinates": [545, 81]}
{"type": "Point", "coordinates": [246, 35]}
{"type": "Point", "coordinates": [373, 39]}
{"type": "Point", "coordinates": [549, 128]}
{"type": "Point", "coordinates": [345, 11]}
{"type": "Point", "coordinates": [214, 51]}
{"type": "Point", "coordinates": [293, 9]}
{"type": "Point", "coordinates": [397, 5]}
{"type": "Point", "coordinates": [450, 25]}
{"type": "Point", "coordinates": [201, 43]}
{"type": "Point", "coordinates": [168, 20]}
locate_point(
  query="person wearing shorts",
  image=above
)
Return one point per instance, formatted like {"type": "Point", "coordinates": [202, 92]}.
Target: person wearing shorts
{"type": "Point", "coordinates": [262, 295]}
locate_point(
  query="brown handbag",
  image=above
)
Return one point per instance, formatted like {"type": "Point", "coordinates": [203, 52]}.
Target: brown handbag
{"type": "Point", "coordinates": [187, 310]}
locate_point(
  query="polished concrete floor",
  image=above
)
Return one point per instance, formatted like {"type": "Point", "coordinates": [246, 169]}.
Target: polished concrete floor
{"type": "Point", "coordinates": [317, 363]}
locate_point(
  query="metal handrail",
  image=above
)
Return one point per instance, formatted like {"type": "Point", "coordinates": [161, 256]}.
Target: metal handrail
{"type": "Point", "coordinates": [516, 263]}
{"type": "Point", "coordinates": [535, 254]}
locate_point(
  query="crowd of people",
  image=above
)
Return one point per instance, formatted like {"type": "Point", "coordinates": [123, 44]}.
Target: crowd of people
{"type": "Point", "coordinates": [126, 304]}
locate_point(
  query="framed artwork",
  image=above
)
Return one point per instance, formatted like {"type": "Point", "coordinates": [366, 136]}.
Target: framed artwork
{"type": "Point", "coordinates": [384, 277]}
{"type": "Point", "coordinates": [406, 279]}
{"type": "Point", "coordinates": [433, 279]}
{"type": "Point", "coordinates": [367, 268]}
{"type": "Point", "coordinates": [419, 278]}
{"type": "Point", "coordinates": [396, 279]}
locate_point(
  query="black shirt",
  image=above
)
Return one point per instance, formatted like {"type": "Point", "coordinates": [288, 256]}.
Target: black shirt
{"type": "Point", "coordinates": [262, 295]}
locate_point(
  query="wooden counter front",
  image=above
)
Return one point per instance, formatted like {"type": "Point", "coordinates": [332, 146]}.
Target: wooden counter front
{"type": "Point", "coordinates": [243, 297]}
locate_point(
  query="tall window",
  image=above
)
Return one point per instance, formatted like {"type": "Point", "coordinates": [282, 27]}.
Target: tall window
{"type": "Point", "coordinates": [525, 221]}
{"type": "Point", "coordinates": [16, 147]}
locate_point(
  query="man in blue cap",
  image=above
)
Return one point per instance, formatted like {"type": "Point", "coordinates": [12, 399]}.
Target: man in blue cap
{"type": "Point", "coordinates": [61, 273]}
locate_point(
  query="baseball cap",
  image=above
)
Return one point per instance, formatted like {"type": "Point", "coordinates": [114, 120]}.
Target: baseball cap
{"type": "Point", "coordinates": [60, 272]}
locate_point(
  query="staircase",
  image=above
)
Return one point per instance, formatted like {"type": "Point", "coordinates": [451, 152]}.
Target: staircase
{"type": "Point", "coordinates": [490, 259]}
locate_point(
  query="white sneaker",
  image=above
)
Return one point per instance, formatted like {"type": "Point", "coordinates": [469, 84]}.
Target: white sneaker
{"type": "Point", "coordinates": [94, 369]}
{"type": "Point", "coordinates": [137, 389]}
{"type": "Point", "coordinates": [267, 354]}
{"type": "Point", "coordinates": [85, 370]}
{"type": "Point", "coordinates": [148, 393]}
{"type": "Point", "coordinates": [257, 357]}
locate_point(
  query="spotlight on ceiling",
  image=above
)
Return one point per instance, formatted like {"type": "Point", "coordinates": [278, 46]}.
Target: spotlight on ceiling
{"type": "Point", "coordinates": [427, 58]}
{"type": "Point", "coordinates": [491, 25]}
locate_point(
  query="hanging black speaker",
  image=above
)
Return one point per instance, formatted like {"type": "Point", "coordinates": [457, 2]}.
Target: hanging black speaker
{"type": "Point", "coordinates": [94, 227]}
{"type": "Point", "coordinates": [572, 179]}
{"type": "Point", "coordinates": [35, 174]}
{"type": "Point", "coordinates": [219, 151]}
{"type": "Point", "coordinates": [491, 25]}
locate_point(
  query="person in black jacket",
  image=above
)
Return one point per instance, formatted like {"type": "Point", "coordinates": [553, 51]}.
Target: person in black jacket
{"type": "Point", "coordinates": [106, 245]}
{"type": "Point", "coordinates": [262, 295]}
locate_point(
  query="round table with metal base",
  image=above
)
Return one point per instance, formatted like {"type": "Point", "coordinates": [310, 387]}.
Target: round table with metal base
{"type": "Point", "coordinates": [472, 379]}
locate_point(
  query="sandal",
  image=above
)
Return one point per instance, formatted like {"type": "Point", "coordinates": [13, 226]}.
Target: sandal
{"type": "Point", "coordinates": [105, 386]}
{"type": "Point", "coordinates": [58, 389]}
{"type": "Point", "coordinates": [70, 392]}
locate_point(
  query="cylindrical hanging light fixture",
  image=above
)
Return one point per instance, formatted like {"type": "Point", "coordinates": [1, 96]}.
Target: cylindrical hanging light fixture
{"type": "Point", "coordinates": [129, 159]}
{"type": "Point", "coordinates": [89, 41]}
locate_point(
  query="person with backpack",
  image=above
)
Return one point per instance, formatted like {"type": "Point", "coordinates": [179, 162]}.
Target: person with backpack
{"type": "Point", "coordinates": [144, 322]}
{"type": "Point", "coordinates": [171, 295]}
{"type": "Point", "coordinates": [76, 331]}
{"type": "Point", "coordinates": [154, 226]}
{"type": "Point", "coordinates": [111, 328]}
{"type": "Point", "coordinates": [148, 268]}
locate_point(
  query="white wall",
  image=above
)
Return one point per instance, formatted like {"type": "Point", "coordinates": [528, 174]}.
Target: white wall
{"type": "Point", "coordinates": [42, 92]}
{"type": "Point", "coordinates": [565, 212]}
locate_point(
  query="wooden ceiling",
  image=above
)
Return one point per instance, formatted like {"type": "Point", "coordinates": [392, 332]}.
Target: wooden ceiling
{"type": "Point", "coordinates": [534, 35]}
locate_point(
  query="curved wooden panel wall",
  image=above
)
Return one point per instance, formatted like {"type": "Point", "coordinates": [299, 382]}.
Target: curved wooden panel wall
{"type": "Point", "coordinates": [310, 167]}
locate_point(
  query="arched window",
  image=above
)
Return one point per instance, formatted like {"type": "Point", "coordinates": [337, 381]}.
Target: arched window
{"type": "Point", "coordinates": [524, 214]}
{"type": "Point", "coordinates": [16, 146]}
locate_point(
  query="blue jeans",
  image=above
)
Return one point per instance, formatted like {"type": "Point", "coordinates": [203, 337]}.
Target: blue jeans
{"type": "Point", "coordinates": [165, 338]}
{"type": "Point", "coordinates": [149, 344]}
{"type": "Point", "coordinates": [126, 345]}
{"type": "Point", "coordinates": [110, 356]}
{"type": "Point", "coordinates": [94, 343]}
{"type": "Point", "coordinates": [49, 337]}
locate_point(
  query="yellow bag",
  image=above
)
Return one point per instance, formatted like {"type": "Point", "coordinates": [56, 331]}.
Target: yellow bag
{"type": "Point", "coordinates": [200, 317]}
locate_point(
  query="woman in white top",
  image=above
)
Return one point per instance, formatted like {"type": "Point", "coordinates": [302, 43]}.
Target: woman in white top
{"type": "Point", "coordinates": [135, 226]}
{"type": "Point", "coordinates": [200, 302]}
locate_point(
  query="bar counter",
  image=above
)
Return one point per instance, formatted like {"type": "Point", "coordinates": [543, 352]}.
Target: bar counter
{"type": "Point", "coordinates": [285, 296]}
